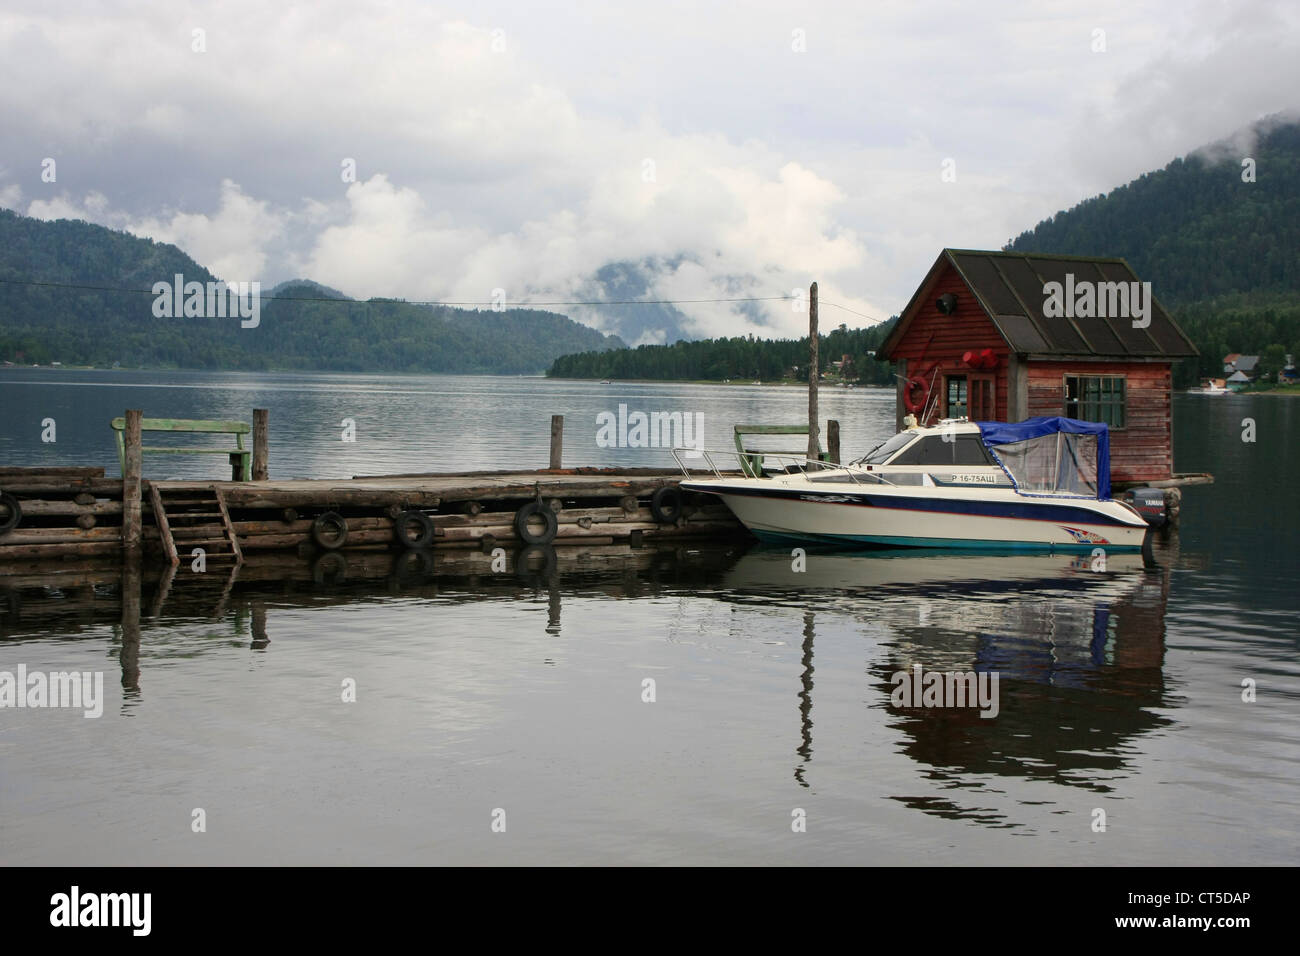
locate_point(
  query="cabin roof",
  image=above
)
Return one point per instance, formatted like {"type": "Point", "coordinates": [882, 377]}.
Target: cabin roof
{"type": "Point", "coordinates": [1008, 286]}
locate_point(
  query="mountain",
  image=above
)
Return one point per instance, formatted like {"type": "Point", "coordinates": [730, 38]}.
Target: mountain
{"type": "Point", "coordinates": [81, 294]}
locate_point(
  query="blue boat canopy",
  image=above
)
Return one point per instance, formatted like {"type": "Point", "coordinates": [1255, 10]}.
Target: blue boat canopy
{"type": "Point", "coordinates": [1052, 455]}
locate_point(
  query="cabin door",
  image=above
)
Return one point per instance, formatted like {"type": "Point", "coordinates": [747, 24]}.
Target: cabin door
{"type": "Point", "coordinates": [983, 398]}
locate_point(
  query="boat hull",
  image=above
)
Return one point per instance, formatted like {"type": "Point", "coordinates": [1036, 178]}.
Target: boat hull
{"type": "Point", "coordinates": [918, 518]}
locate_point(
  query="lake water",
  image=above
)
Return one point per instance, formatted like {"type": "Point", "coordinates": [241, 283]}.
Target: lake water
{"type": "Point", "coordinates": [484, 697]}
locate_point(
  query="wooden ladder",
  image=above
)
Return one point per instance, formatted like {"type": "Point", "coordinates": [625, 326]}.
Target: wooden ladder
{"type": "Point", "coordinates": [195, 519]}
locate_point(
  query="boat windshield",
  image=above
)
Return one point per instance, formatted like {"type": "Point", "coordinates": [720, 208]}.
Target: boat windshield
{"type": "Point", "coordinates": [886, 450]}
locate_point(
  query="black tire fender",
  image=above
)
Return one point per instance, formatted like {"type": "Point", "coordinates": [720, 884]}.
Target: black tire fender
{"type": "Point", "coordinates": [15, 512]}
{"type": "Point", "coordinates": [413, 529]}
{"type": "Point", "coordinates": [536, 509]}
{"type": "Point", "coordinates": [666, 505]}
{"type": "Point", "coordinates": [329, 531]}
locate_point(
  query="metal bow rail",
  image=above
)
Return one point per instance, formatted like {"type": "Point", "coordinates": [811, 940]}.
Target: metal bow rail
{"type": "Point", "coordinates": [785, 465]}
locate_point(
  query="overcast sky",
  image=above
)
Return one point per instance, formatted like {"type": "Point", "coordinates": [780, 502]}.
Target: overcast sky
{"type": "Point", "coordinates": [503, 145]}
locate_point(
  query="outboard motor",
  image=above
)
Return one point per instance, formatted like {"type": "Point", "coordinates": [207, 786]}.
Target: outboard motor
{"type": "Point", "coordinates": [1150, 504]}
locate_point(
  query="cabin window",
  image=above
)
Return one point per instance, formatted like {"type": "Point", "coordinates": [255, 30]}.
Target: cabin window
{"type": "Point", "coordinates": [1097, 398]}
{"type": "Point", "coordinates": [933, 450]}
{"type": "Point", "coordinates": [956, 397]}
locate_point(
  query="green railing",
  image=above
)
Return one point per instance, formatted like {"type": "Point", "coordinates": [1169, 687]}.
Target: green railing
{"type": "Point", "coordinates": [241, 458]}
{"type": "Point", "coordinates": [751, 459]}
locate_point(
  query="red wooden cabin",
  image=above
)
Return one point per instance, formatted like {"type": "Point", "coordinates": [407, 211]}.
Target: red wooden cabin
{"type": "Point", "coordinates": [985, 338]}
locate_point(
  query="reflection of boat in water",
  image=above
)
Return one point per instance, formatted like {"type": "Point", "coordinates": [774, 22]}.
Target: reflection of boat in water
{"type": "Point", "coordinates": [1042, 484]}
{"type": "Point", "coordinates": [937, 573]}
{"type": "Point", "coordinates": [1077, 644]}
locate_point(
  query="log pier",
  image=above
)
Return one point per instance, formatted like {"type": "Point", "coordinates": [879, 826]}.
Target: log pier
{"type": "Point", "coordinates": [71, 513]}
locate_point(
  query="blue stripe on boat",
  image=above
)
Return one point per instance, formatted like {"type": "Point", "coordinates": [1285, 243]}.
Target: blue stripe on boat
{"type": "Point", "coordinates": [1026, 510]}
{"type": "Point", "coordinates": [965, 544]}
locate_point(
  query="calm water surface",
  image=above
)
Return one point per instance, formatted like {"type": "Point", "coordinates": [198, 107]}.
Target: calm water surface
{"type": "Point", "coordinates": [1120, 690]}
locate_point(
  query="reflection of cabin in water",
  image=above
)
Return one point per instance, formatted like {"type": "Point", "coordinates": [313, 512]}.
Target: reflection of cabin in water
{"type": "Point", "coordinates": [979, 340]}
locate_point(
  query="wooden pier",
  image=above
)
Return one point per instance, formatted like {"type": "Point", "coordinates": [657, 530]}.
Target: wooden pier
{"type": "Point", "coordinates": [71, 513]}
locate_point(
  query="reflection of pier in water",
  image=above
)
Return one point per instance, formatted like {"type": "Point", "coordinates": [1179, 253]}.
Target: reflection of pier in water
{"type": "Point", "coordinates": [1079, 651]}
{"type": "Point", "coordinates": [73, 600]}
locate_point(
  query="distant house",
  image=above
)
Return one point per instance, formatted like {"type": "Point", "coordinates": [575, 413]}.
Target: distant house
{"type": "Point", "coordinates": [1246, 364]}
{"type": "Point", "coordinates": [1288, 373]}
{"type": "Point", "coordinates": [1237, 381]}
{"type": "Point", "coordinates": [982, 339]}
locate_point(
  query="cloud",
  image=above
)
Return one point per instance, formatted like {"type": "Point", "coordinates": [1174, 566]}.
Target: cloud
{"type": "Point", "coordinates": [231, 243]}
{"type": "Point", "coordinates": [506, 147]}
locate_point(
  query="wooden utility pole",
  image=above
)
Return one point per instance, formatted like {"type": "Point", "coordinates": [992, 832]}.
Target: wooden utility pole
{"type": "Point", "coordinates": [814, 433]}
{"type": "Point", "coordinates": [132, 465]}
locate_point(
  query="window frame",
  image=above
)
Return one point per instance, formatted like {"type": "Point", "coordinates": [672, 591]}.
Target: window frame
{"type": "Point", "coordinates": [948, 382]}
{"type": "Point", "coordinates": [936, 441]}
{"type": "Point", "coordinates": [1099, 401]}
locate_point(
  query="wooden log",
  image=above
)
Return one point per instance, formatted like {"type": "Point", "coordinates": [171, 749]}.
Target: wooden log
{"type": "Point", "coordinates": [833, 441]}
{"type": "Point", "coordinates": [557, 441]}
{"type": "Point", "coordinates": [573, 516]}
{"type": "Point", "coordinates": [514, 472]}
{"type": "Point", "coordinates": [164, 526]}
{"type": "Point", "coordinates": [131, 473]}
{"type": "Point", "coordinates": [41, 506]}
{"type": "Point", "coordinates": [576, 531]}
{"type": "Point", "coordinates": [260, 446]}
{"type": "Point", "coordinates": [262, 542]}
{"type": "Point", "coordinates": [20, 536]}
{"type": "Point", "coordinates": [303, 526]}
{"type": "Point", "coordinates": [57, 550]}
{"type": "Point", "coordinates": [67, 487]}
{"type": "Point", "coordinates": [251, 496]}
{"type": "Point", "coordinates": [72, 471]}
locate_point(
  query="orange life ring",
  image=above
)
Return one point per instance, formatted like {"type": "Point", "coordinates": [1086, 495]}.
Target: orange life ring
{"type": "Point", "coordinates": [917, 383]}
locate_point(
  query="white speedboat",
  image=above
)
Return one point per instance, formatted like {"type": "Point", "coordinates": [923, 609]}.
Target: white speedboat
{"type": "Point", "coordinates": [1041, 484]}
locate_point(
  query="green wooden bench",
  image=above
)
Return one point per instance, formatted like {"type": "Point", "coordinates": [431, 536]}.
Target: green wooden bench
{"type": "Point", "coordinates": [751, 459]}
{"type": "Point", "coordinates": [241, 458]}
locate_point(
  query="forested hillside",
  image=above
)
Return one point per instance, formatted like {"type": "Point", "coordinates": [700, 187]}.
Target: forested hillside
{"type": "Point", "coordinates": [1194, 229]}
{"type": "Point", "coordinates": [302, 326]}
{"type": "Point", "coordinates": [1222, 253]}
{"type": "Point", "coordinates": [741, 358]}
